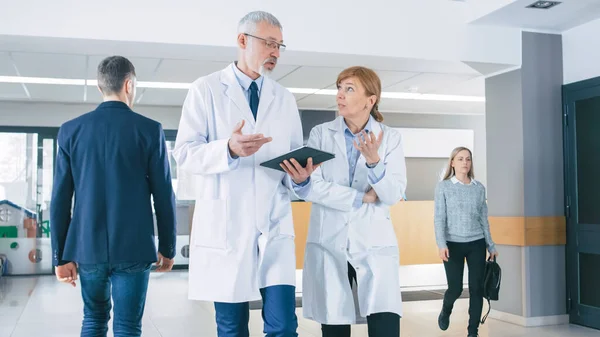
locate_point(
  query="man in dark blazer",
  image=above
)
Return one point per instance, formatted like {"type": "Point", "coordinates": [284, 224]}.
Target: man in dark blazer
{"type": "Point", "coordinates": [114, 160]}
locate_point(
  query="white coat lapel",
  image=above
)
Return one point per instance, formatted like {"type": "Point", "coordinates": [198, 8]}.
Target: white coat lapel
{"type": "Point", "coordinates": [267, 94]}
{"type": "Point", "coordinates": [235, 93]}
{"type": "Point", "coordinates": [337, 130]}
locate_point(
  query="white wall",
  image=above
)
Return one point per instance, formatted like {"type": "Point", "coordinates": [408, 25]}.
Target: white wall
{"type": "Point", "coordinates": [581, 52]}
{"type": "Point", "coordinates": [434, 143]}
{"type": "Point", "coordinates": [379, 27]}
{"type": "Point", "coordinates": [54, 114]}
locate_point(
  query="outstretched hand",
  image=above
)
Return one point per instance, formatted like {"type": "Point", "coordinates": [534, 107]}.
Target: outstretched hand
{"type": "Point", "coordinates": [241, 145]}
{"type": "Point", "coordinates": [368, 145]}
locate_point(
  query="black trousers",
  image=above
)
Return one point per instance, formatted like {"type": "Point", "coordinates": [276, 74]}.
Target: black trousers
{"type": "Point", "coordinates": [475, 254]}
{"type": "Point", "coordinates": [383, 324]}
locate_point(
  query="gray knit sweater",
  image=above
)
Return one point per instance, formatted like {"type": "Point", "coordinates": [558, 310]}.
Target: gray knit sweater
{"type": "Point", "coordinates": [461, 213]}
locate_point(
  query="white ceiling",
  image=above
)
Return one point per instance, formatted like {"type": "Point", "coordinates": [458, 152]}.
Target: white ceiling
{"type": "Point", "coordinates": [568, 14]}
{"type": "Point", "coordinates": [71, 66]}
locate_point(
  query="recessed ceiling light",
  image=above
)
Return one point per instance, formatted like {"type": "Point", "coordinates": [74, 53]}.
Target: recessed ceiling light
{"type": "Point", "coordinates": [184, 86]}
{"type": "Point", "coordinates": [41, 80]}
{"type": "Point", "coordinates": [544, 4]}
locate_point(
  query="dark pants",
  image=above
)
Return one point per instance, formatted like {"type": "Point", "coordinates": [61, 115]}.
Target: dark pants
{"type": "Point", "coordinates": [382, 324]}
{"type": "Point", "coordinates": [278, 313]}
{"type": "Point", "coordinates": [475, 254]}
{"type": "Point", "coordinates": [129, 283]}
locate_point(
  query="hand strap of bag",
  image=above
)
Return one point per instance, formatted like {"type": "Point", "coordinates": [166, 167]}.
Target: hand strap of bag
{"type": "Point", "coordinates": [488, 313]}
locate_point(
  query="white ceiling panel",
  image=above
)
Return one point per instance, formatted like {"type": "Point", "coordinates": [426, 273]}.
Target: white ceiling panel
{"type": "Point", "coordinates": [282, 70]}
{"type": "Point", "coordinates": [299, 96]}
{"type": "Point", "coordinates": [389, 78]}
{"type": "Point", "coordinates": [6, 68]}
{"type": "Point", "coordinates": [185, 71]}
{"type": "Point", "coordinates": [486, 68]}
{"type": "Point", "coordinates": [12, 91]}
{"type": "Point", "coordinates": [173, 70]}
{"type": "Point", "coordinates": [472, 87]}
{"type": "Point", "coordinates": [420, 106]}
{"type": "Point", "coordinates": [311, 77]}
{"type": "Point", "coordinates": [429, 82]}
{"type": "Point", "coordinates": [144, 67]}
{"type": "Point", "coordinates": [56, 93]}
{"type": "Point", "coordinates": [163, 97]}
{"type": "Point", "coordinates": [316, 102]}
{"type": "Point", "coordinates": [50, 65]}
{"type": "Point", "coordinates": [93, 95]}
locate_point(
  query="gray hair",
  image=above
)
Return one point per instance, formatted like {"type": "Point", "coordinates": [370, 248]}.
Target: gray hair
{"type": "Point", "coordinates": [249, 22]}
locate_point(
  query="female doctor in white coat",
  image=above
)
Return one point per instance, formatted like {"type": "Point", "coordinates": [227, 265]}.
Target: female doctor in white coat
{"type": "Point", "coordinates": [351, 266]}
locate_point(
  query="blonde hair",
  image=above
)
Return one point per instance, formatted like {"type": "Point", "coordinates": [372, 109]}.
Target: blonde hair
{"type": "Point", "coordinates": [450, 170]}
{"type": "Point", "coordinates": [370, 80]}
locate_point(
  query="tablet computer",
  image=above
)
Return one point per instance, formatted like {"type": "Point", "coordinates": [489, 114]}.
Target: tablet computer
{"type": "Point", "coordinates": [301, 155]}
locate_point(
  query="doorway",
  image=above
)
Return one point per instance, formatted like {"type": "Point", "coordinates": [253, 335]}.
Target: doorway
{"type": "Point", "coordinates": [581, 112]}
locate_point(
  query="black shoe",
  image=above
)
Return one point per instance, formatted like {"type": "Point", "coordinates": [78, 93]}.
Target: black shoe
{"type": "Point", "coordinates": [444, 320]}
{"type": "Point", "coordinates": [473, 335]}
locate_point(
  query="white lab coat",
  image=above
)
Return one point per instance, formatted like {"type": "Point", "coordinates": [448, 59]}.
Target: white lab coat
{"type": "Point", "coordinates": [340, 233]}
{"type": "Point", "coordinates": [242, 232]}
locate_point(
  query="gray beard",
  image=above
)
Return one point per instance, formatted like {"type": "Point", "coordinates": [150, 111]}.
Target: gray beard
{"type": "Point", "coordinates": [264, 71]}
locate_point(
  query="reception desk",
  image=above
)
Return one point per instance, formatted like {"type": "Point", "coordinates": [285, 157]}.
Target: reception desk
{"type": "Point", "coordinates": [413, 224]}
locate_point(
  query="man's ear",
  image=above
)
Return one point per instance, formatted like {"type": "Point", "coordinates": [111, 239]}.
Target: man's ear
{"type": "Point", "coordinates": [242, 41]}
{"type": "Point", "coordinates": [129, 86]}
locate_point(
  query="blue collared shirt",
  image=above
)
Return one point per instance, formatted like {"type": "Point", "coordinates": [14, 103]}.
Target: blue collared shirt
{"type": "Point", "coordinates": [375, 173]}
{"type": "Point", "coordinates": [245, 83]}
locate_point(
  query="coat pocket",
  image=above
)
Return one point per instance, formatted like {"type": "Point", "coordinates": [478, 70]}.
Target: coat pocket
{"type": "Point", "coordinates": [381, 230]}
{"type": "Point", "coordinates": [210, 223]}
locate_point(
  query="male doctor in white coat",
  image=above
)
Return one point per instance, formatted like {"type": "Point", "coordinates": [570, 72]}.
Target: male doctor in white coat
{"type": "Point", "coordinates": [242, 243]}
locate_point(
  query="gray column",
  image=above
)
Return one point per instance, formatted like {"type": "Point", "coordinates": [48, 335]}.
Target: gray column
{"type": "Point", "coordinates": [525, 174]}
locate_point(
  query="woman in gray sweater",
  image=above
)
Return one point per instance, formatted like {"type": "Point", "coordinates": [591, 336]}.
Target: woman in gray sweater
{"type": "Point", "coordinates": [462, 232]}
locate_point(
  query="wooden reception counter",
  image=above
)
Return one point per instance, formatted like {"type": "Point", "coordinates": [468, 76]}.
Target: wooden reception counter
{"type": "Point", "coordinates": [413, 224]}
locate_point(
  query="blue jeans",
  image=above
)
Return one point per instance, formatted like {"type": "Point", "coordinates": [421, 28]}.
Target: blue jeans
{"type": "Point", "coordinates": [278, 313]}
{"type": "Point", "coordinates": [129, 283]}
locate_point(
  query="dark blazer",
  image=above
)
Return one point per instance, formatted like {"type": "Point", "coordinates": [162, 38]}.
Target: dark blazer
{"type": "Point", "coordinates": [113, 160]}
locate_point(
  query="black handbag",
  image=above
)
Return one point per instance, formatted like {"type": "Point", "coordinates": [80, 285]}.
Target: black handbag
{"type": "Point", "coordinates": [491, 284]}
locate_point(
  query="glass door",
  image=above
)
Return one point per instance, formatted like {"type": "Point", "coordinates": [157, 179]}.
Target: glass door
{"type": "Point", "coordinates": [26, 169]}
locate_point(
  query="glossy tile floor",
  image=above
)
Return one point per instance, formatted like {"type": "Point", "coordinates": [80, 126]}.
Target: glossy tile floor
{"type": "Point", "coordinates": [40, 306]}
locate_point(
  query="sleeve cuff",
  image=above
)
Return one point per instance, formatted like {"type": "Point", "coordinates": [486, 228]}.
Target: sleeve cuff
{"type": "Point", "coordinates": [358, 201]}
{"type": "Point", "coordinates": [233, 163]}
{"type": "Point", "coordinates": [168, 252]}
{"type": "Point", "coordinates": [301, 189]}
{"type": "Point", "coordinates": [302, 184]}
{"type": "Point", "coordinates": [376, 173]}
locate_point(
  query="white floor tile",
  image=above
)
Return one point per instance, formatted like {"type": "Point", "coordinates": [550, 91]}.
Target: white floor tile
{"type": "Point", "coordinates": [40, 306]}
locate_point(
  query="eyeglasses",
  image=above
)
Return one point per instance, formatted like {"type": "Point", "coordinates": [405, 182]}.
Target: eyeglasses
{"type": "Point", "coordinates": [269, 43]}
